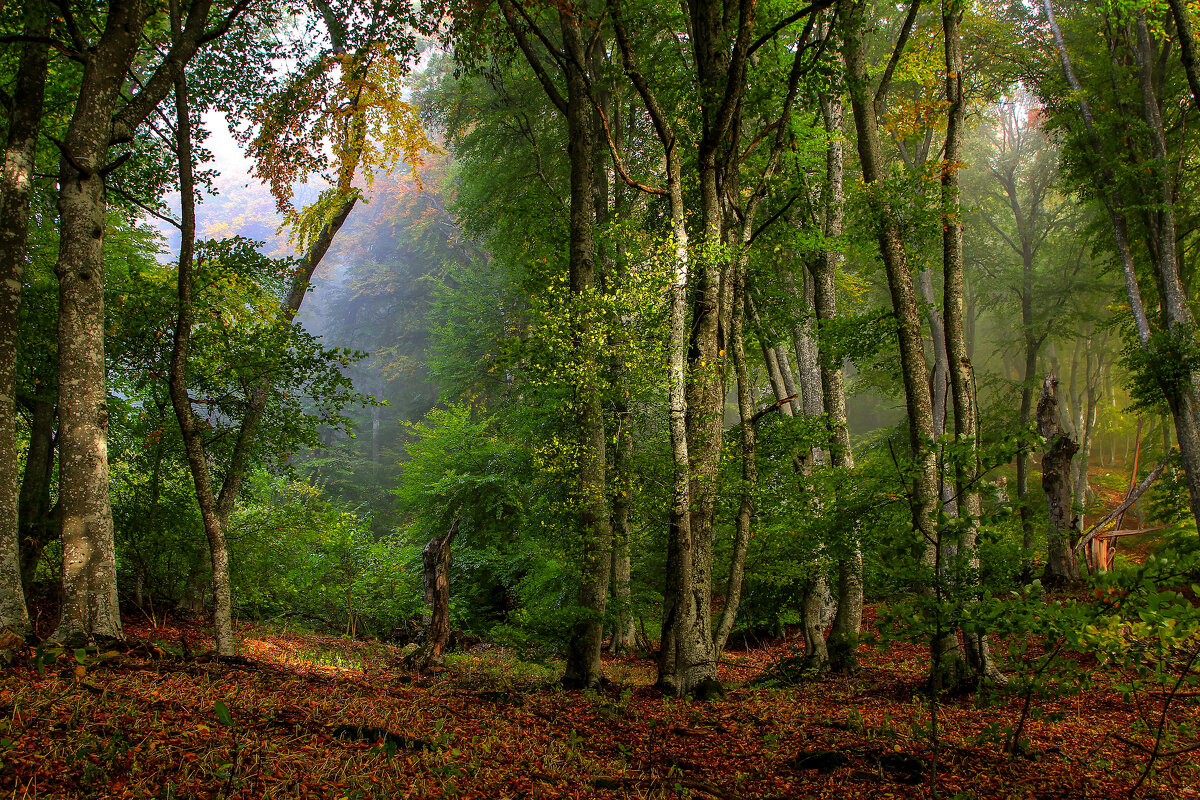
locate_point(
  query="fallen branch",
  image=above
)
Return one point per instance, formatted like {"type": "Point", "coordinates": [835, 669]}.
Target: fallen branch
{"type": "Point", "coordinates": [1129, 500]}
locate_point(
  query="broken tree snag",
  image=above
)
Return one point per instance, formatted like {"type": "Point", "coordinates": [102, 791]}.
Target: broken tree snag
{"type": "Point", "coordinates": [435, 559]}
{"type": "Point", "coordinates": [1061, 566]}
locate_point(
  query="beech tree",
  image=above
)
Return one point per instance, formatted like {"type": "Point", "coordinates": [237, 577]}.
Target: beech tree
{"type": "Point", "coordinates": [102, 117]}
{"type": "Point", "coordinates": [16, 181]}
{"type": "Point", "coordinates": [361, 86]}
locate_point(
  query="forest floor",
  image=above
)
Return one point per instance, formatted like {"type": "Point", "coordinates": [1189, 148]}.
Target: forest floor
{"type": "Point", "coordinates": [310, 715]}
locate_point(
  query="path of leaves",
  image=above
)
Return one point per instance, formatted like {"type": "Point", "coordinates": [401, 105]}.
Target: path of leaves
{"type": "Point", "coordinates": [323, 717]}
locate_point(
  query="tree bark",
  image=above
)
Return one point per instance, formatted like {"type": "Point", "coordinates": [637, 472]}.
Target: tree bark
{"type": "Point", "coordinates": [435, 560]}
{"type": "Point", "coordinates": [1061, 567]}
{"type": "Point", "coordinates": [583, 653]}
{"type": "Point", "coordinates": [679, 602]}
{"type": "Point", "coordinates": [624, 634]}
{"type": "Point", "coordinates": [748, 442]}
{"type": "Point", "coordinates": [16, 183]}
{"type": "Point", "coordinates": [214, 526]}
{"type": "Point", "coordinates": [1026, 415]}
{"type": "Point", "coordinates": [961, 373]}
{"type": "Point", "coordinates": [842, 643]}
{"type": "Point", "coordinates": [37, 523]}
{"type": "Point", "coordinates": [89, 608]}
{"type": "Point", "coordinates": [945, 666]}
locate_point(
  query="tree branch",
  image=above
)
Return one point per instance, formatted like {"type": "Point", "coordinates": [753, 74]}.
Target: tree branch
{"type": "Point", "coordinates": [905, 31]}
{"type": "Point", "coordinates": [811, 8]}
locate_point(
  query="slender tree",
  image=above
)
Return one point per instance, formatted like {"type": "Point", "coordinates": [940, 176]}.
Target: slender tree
{"type": "Point", "coordinates": [16, 181]}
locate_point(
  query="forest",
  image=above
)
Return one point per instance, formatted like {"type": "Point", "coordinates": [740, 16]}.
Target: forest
{"type": "Point", "coordinates": [722, 399]}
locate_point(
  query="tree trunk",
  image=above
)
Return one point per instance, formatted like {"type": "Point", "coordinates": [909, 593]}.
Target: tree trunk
{"type": "Point", "coordinates": [1093, 373]}
{"type": "Point", "coordinates": [37, 525]}
{"type": "Point", "coordinates": [89, 608]}
{"type": "Point", "coordinates": [945, 667]}
{"type": "Point", "coordinates": [214, 525]}
{"type": "Point", "coordinates": [16, 182]}
{"type": "Point", "coordinates": [961, 373]}
{"type": "Point", "coordinates": [746, 414]}
{"type": "Point", "coordinates": [435, 560]}
{"type": "Point", "coordinates": [678, 597]}
{"type": "Point", "coordinates": [817, 600]}
{"type": "Point", "coordinates": [1061, 567]}
{"type": "Point", "coordinates": [624, 634]}
{"type": "Point", "coordinates": [583, 653]}
{"type": "Point", "coordinates": [842, 643]}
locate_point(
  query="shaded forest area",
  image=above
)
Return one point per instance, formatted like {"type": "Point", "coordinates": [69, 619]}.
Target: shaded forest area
{"type": "Point", "coordinates": [734, 399]}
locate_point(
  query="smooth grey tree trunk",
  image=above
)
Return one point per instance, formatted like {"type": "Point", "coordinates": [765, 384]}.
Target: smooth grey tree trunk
{"type": "Point", "coordinates": [16, 183]}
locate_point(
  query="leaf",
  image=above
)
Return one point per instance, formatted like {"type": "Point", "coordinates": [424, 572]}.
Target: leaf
{"type": "Point", "coordinates": [223, 715]}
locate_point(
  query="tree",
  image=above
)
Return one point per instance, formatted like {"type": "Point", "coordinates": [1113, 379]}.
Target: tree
{"type": "Point", "coordinates": [317, 227]}
{"type": "Point", "coordinates": [16, 180]}
{"type": "Point", "coordinates": [101, 118]}
{"type": "Point", "coordinates": [1023, 209]}
{"type": "Point", "coordinates": [946, 663]}
{"type": "Point", "coordinates": [1137, 183]}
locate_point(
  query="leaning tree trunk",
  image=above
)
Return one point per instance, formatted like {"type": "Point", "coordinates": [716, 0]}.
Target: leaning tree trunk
{"type": "Point", "coordinates": [946, 663]}
{"type": "Point", "coordinates": [435, 560]}
{"type": "Point", "coordinates": [16, 182]}
{"type": "Point", "coordinates": [214, 525]}
{"type": "Point", "coordinates": [1061, 566]}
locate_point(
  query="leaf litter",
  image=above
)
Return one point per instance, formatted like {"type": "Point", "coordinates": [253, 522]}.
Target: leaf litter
{"type": "Point", "coordinates": [302, 715]}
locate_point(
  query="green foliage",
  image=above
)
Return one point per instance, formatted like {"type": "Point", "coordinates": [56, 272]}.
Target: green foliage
{"type": "Point", "coordinates": [1168, 500]}
{"type": "Point", "coordinates": [1161, 371]}
{"type": "Point", "coordinates": [332, 568]}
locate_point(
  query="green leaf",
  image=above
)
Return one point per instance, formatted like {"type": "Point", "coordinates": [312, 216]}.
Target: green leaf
{"type": "Point", "coordinates": [223, 715]}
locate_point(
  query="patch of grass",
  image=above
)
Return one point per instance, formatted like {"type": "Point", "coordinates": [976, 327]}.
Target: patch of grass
{"type": "Point", "coordinates": [330, 657]}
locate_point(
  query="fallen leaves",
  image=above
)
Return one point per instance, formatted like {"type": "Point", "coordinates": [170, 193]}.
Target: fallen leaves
{"type": "Point", "coordinates": [306, 715]}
